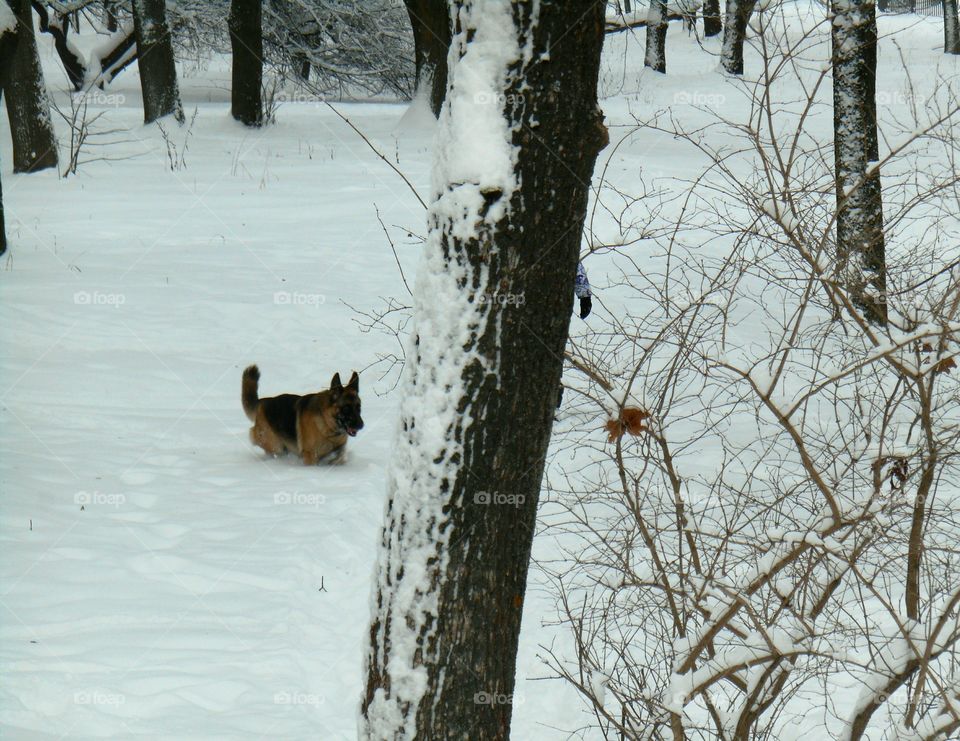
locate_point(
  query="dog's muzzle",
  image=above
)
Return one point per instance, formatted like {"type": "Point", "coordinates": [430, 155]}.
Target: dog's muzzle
{"type": "Point", "coordinates": [351, 427]}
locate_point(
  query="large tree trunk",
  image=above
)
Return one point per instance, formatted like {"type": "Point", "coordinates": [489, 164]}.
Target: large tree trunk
{"type": "Point", "coordinates": [951, 28]}
{"type": "Point", "coordinates": [430, 21]}
{"type": "Point", "coordinates": [246, 41]}
{"type": "Point", "coordinates": [656, 53]}
{"type": "Point", "coordinates": [734, 33]}
{"type": "Point", "coordinates": [158, 73]}
{"type": "Point", "coordinates": [860, 241]}
{"type": "Point", "coordinates": [518, 138]}
{"type": "Point", "coordinates": [22, 85]}
{"type": "Point", "coordinates": [712, 26]}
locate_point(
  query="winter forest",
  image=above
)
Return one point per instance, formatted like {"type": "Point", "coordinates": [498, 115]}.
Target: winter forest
{"type": "Point", "coordinates": [477, 370]}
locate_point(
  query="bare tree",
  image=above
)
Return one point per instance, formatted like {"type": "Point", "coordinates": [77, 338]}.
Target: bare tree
{"type": "Point", "coordinates": [860, 242]}
{"type": "Point", "coordinates": [656, 52]}
{"type": "Point", "coordinates": [491, 313]}
{"type": "Point", "coordinates": [430, 21]}
{"type": "Point", "coordinates": [23, 87]}
{"type": "Point", "coordinates": [712, 25]}
{"type": "Point", "coordinates": [158, 73]}
{"type": "Point", "coordinates": [951, 28]}
{"type": "Point", "coordinates": [246, 39]}
{"type": "Point", "coordinates": [735, 24]}
{"type": "Point", "coordinates": [743, 551]}
{"type": "Point", "coordinates": [59, 27]}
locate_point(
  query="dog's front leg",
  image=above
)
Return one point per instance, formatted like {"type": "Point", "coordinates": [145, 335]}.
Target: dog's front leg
{"type": "Point", "coordinates": [309, 457]}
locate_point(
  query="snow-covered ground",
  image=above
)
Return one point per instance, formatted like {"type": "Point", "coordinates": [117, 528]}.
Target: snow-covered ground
{"type": "Point", "coordinates": [160, 577]}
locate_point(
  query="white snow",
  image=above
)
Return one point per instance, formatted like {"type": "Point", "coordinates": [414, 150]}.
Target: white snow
{"type": "Point", "coordinates": [8, 21]}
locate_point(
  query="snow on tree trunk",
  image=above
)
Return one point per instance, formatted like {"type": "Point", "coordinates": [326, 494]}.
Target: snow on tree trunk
{"type": "Point", "coordinates": [860, 241]}
{"type": "Point", "coordinates": [158, 73]}
{"type": "Point", "coordinates": [734, 33]}
{"type": "Point", "coordinates": [712, 26]}
{"type": "Point", "coordinates": [951, 28]}
{"type": "Point", "coordinates": [430, 21]}
{"type": "Point", "coordinates": [21, 82]}
{"type": "Point", "coordinates": [515, 150]}
{"type": "Point", "coordinates": [115, 55]}
{"type": "Point", "coordinates": [246, 41]}
{"type": "Point", "coordinates": [656, 52]}
{"type": "Point", "coordinates": [70, 56]}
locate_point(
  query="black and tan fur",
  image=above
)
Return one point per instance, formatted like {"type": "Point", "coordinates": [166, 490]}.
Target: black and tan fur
{"type": "Point", "coordinates": [314, 426]}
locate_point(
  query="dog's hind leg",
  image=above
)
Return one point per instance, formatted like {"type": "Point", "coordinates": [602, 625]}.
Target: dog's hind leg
{"type": "Point", "coordinates": [266, 440]}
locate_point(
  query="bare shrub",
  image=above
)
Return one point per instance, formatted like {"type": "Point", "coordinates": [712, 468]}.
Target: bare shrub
{"type": "Point", "coordinates": [780, 545]}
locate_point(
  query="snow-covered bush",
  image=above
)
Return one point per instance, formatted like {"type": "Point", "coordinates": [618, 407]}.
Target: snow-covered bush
{"type": "Point", "coordinates": [347, 49]}
{"type": "Point", "coordinates": [777, 553]}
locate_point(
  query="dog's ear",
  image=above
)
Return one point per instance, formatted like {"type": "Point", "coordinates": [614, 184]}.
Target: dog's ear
{"type": "Point", "coordinates": [354, 382]}
{"type": "Point", "coordinates": [335, 385]}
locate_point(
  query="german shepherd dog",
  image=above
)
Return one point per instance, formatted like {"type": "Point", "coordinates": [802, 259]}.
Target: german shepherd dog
{"type": "Point", "coordinates": [314, 426]}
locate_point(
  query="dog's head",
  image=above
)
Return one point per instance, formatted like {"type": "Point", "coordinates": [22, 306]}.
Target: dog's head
{"type": "Point", "coordinates": [346, 402]}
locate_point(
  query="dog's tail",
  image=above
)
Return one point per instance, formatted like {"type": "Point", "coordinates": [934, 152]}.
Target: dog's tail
{"type": "Point", "coordinates": [251, 379]}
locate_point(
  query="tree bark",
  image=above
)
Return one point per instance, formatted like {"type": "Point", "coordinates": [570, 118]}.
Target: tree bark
{"type": "Point", "coordinates": [430, 21]}
{"type": "Point", "coordinates": [951, 28]}
{"type": "Point", "coordinates": [734, 33]}
{"type": "Point", "coordinates": [656, 53]}
{"type": "Point", "coordinates": [492, 310]}
{"type": "Point", "coordinates": [246, 41]}
{"type": "Point", "coordinates": [860, 241]}
{"type": "Point", "coordinates": [158, 73]}
{"type": "Point", "coordinates": [28, 108]}
{"type": "Point", "coordinates": [712, 25]}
